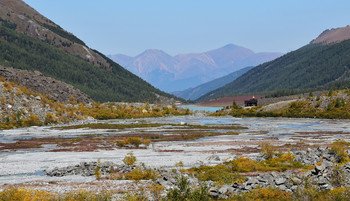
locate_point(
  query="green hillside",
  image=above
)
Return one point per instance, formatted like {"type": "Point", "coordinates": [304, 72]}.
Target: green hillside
{"type": "Point", "coordinates": [313, 66]}
{"type": "Point", "coordinates": [112, 83]}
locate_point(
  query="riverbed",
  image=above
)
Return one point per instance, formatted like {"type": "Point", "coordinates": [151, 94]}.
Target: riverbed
{"type": "Point", "coordinates": [26, 166]}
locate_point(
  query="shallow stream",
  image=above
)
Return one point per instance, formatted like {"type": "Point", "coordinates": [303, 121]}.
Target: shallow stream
{"type": "Point", "coordinates": [26, 165]}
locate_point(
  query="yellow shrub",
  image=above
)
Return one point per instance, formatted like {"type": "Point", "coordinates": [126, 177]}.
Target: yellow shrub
{"type": "Point", "coordinates": [156, 191]}
{"type": "Point", "coordinates": [137, 175]}
{"type": "Point", "coordinates": [134, 141]}
{"type": "Point", "coordinates": [12, 194]}
{"type": "Point", "coordinates": [267, 150]}
{"type": "Point", "coordinates": [263, 194]}
{"type": "Point", "coordinates": [340, 147]}
{"type": "Point", "coordinates": [32, 120]}
{"type": "Point", "coordinates": [50, 118]}
{"type": "Point", "coordinates": [129, 159]}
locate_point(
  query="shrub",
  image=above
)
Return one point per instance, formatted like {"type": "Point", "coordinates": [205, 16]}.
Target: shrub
{"type": "Point", "coordinates": [183, 192]}
{"type": "Point", "coordinates": [135, 196]}
{"type": "Point", "coordinates": [267, 150]}
{"type": "Point", "coordinates": [50, 118]}
{"type": "Point", "coordinates": [338, 177]}
{"type": "Point", "coordinates": [12, 194]}
{"type": "Point", "coordinates": [138, 174]}
{"type": "Point", "coordinates": [263, 194]}
{"type": "Point", "coordinates": [156, 191]}
{"type": "Point", "coordinates": [129, 159]}
{"type": "Point", "coordinates": [340, 147]}
{"type": "Point", "coordinates": [98, 173]}
{"type": "Point", "coordinates": [219, 174]}
{"type": "Point", "coordinates": [134, 141]}
{"type": "Point", "coordinates": [32, 120]}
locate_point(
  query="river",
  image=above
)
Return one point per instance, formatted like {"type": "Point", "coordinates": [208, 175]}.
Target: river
{"type": "Point", "coordinates": [27, 165]}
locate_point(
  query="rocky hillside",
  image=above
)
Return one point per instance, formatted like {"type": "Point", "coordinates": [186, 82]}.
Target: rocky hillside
{"type": "Point", "coordinates": [22, 107]}
{"type": "Point", "coordinates": [180, 72]}
{"type": "Point", "coordinates": [37, 82]}
{"type": "Point", "coordinates": [331, 36]}
{"type": "Point", "coordinates": [30, 41]}
{"type": "Point", "coordinates": [315, 66]}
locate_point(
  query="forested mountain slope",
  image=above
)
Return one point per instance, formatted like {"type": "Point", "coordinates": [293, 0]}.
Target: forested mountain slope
{"type": "Point", "coordinates": [30, 41]}
{"type": "Point", "coordinates": [319, 65]}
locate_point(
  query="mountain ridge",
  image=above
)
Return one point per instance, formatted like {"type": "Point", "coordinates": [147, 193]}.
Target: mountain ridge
{"type": "Point", "coordinates": [182, 71]}
{"type": "Point", "coordinates": [30, 41]}
{"type": "Point", "coordinates": [335, 35]}
{"type": "Point", "coordinates": [318, 65]}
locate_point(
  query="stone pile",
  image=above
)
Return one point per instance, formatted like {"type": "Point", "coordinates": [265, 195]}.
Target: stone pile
{"type": "Point", "coordinates": [325, 176]}
{"type": "Point", "coordinates": [84, 169]}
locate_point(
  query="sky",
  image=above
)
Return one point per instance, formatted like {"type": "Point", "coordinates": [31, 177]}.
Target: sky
{"type": "Point", "coordinates": [192, 26]}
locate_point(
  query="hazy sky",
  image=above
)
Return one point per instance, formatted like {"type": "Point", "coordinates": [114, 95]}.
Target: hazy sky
{"type": "Point", "coordinates": [186, 26]}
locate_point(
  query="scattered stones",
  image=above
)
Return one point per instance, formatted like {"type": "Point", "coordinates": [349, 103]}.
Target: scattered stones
{"type": "Point", "coordinates": [289, 181]}
{"type": "Point", "coordinates": [85, 169]}
{"type": "Point", "coordinates": [213, 158]}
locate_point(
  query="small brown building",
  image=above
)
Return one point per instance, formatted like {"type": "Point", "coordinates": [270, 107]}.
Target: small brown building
{"type": "Point", "coordinates": [251, 102]}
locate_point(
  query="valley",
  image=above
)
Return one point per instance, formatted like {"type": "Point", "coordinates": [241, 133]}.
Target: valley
{"type": "Point", "coordinates": [213, 124]}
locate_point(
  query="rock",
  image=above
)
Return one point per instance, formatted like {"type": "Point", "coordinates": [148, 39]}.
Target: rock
{"type": "Point", "coordinates": [252, 181]}
{"type": "Point", "coordinates": [294, 188]}
{"type": "Point", "coordinates": [262, 180]}
{"type": "Point", "coordinates": [230, 189]}
{"type": "Point", "coordinates": [224, 189]}
{"type": "Point", "coordinates": [213, 191]}
{"type": "Point", "coordinates": [247, 187]}
{"type": "Point", "coordinates": [38, 98]}
{"type": "Point", "coordinates": [280, 181]}
{"type": "Point", "coordinates": [213, 158]}
{"type": "Point", "coordinates": [295, 180]}
{"type": "Point", "coordinates": [322, 181]}
{"type": "Point", "coordinates": [283, 187]}
{"type": "Point", "coordinates": [326, 187]}
{"type": "Point", "coordinates": [320, 168]}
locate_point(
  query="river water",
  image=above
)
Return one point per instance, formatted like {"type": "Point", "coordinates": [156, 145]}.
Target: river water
{"type": "Point", "coordinates": [201, 108]}
{"type": "Point", "coordinates": [25, 166]}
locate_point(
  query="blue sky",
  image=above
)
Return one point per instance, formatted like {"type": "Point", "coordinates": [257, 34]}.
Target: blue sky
{"type": "Point", "coordinates": [188, 26]}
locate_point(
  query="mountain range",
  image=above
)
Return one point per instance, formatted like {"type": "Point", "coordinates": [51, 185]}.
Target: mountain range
{"type": "Point", "coordinates": [183, 71]}
{"type": "Point", "coordinates": [30, 41]}
{"type": "Point", "coordinates": [324, 63]}
{"type": "Point", "coordinates": [198, 91]}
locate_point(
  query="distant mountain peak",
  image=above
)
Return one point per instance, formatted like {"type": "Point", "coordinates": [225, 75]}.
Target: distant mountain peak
{"type": "Point", "coordinates": [231, 46]}
{"type": "Point", "coordinates": [330, 36]}
{"type": "Point", "coordinates": [175, 73]}
{"type": "Point", "coordinates": [153, 52]}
